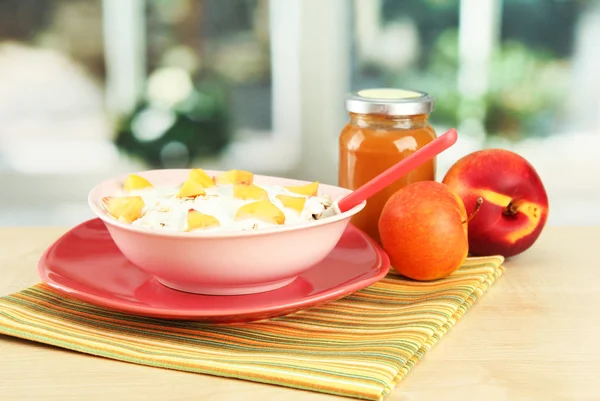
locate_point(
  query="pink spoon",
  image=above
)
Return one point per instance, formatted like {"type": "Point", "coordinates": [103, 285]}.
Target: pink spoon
{"type": "Point", "coordinates": [399, 169]}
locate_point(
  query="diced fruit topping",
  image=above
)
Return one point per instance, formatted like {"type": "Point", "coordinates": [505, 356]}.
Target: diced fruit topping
{"type": "Point", "coordinates": [134, 182]}
{"type": "Point", "coordinates": [190, 188]}
{"type": "Point", "coordinates": [293, 202]}
{"type": "Point", "coordinates": [235, 177]}
{"type": "Point", "coordinates": [306, 190]}
{"type": "Point", "coordinates": [251, 191]}
{"type": "Point", "coordinates": [196, 220]}
{"type": "Point", "coordinates": [124, 208]}
{"type": "Point", "coordinates": [263, 210]}
{"type": "Point", "coordinates": [202, 178]}
{"type": "Point", "coordinates": [229, 200]}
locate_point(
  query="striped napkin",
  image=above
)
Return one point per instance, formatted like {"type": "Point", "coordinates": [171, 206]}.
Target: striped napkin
{"type": "Point", "coordinates": [360, 346]}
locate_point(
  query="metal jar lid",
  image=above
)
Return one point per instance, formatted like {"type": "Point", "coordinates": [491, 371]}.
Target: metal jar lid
{"type": "Point", "coordinates": [389, 101]}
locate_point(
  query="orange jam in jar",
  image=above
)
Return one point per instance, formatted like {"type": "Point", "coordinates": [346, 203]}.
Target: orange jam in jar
{"type": "Point", "coordinates": [386, 125]}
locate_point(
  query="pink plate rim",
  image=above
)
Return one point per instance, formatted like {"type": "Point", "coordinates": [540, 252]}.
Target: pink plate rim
{"type": "Point", "coordinates": [335, 293]}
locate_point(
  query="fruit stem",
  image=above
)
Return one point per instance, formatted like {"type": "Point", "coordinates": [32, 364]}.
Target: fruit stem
{"type": "Point", "coordinates": [511, 209]}
{"type": "Point", "coordinates": [477, 207]}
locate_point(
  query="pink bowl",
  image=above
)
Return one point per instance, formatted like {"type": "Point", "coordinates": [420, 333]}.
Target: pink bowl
{"type": "Point", "coordinates": [223, 263]}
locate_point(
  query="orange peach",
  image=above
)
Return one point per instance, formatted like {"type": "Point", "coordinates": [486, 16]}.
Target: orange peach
{"type": "Point", "coordinates": [235, 177]}
{"type": "Point", "coordinates": [197, 220]}
{"type": "Point", "coordinates": [191, 188]}
{"type": "Point", "coordinates": [306, 190]}
{"type": "Point", "coordinates": [124, 208]}
{"type": "Point", "coordinates": [243, 191]}
{"type": "Point", "coordinates": [133, 182]}
{"type": "Point", "coordinates": [293, 202]}
{"type": "Point", "coordinates": [262, 210]}
{"type": "Point", "coordinates": [202, 178]}
{"type": "Point", "coordinates": [423, 229]}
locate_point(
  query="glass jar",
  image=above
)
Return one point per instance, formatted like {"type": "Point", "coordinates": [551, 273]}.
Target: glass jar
{"type": "Point", "coordinates": [386, 125]}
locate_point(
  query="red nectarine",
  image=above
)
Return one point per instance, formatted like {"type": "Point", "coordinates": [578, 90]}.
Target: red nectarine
{"type": "Point", "coordinates": [515, 203]}
{"type": "Point", "coordinates": [423, 229]}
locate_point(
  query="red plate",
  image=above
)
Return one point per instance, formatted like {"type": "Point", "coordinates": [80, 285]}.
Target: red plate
{"type": "Point", "coordinates": [86, 264]}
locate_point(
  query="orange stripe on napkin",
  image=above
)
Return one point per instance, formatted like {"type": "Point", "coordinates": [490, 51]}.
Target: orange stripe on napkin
{"type": "Point", "coordinates": [360, 346]}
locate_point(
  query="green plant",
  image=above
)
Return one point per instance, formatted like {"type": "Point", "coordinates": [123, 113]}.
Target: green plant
{"type": "Point", "coordinates": [524, 95]}
{"type": "Point", "coordinates": [177, 121]}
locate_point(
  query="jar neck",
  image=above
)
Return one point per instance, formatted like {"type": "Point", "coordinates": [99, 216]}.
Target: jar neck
{"type": "Point", "coordinates": [382, 121]}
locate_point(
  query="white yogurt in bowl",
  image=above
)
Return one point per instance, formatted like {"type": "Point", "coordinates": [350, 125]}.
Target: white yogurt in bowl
{"type": "Point", "coordinates": [164, 211]}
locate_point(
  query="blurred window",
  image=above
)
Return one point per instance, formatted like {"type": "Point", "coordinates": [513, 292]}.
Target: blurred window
{"type": "Point", "coordinates": [516, 74]}
{"type": "Point", "coordinates": [89, 89]}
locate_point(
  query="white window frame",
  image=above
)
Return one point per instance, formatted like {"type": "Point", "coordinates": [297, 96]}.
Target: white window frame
{"type": "Point", "coordinates": [310, 78]}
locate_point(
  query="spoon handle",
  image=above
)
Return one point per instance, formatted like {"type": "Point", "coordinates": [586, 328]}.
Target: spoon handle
{"type": "Point", "coordinates": [399, 169]}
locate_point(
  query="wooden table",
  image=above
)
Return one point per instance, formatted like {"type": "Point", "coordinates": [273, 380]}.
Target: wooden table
{"type": "Point", "coordinates": [534, 336]}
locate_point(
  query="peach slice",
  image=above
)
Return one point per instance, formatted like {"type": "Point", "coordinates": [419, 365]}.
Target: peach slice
{"type": "Point", "coordinates": [202, 178]}
{"type": "Point", "coordinates": [196, 220]}
{"type": "Point", "coordinates": [235, 177]}
{"type": "Point", "coordinates": [251, 191]}
{"type": "Point", "coordinates": [306, 190]}
{"type": "Point", "coordinates": [134, 182]}
{"type": "Point", "coordinates": [293, 202]}
{"type": "Point", "coordinates": [190, 189]}
{"type": "Point", "coordinates": [263, 210]}
{"type": "Point", "coordinates": [124, 208]}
